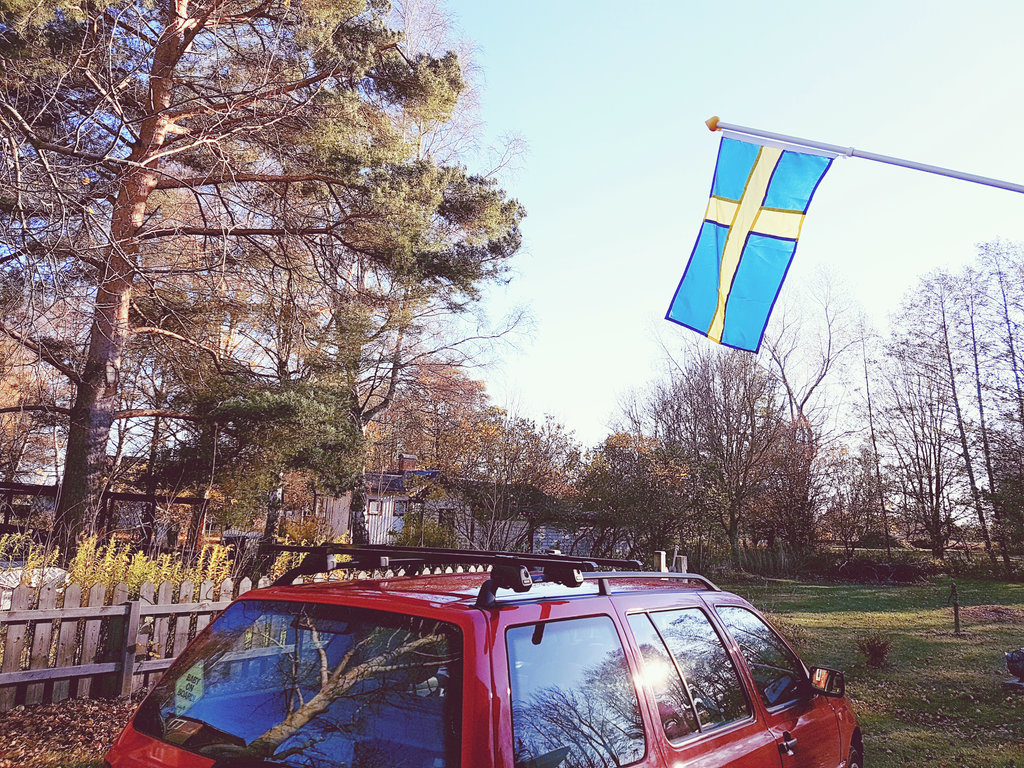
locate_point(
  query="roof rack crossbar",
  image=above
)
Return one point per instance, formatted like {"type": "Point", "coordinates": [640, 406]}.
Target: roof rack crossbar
{"type": "Point", "coordinates": [510, 569]}
{"type": "Point", "coordinates": [437, 556]}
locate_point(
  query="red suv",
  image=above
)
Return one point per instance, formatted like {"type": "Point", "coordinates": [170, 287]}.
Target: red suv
{"type": "Point", "coordinates": [545, 662]}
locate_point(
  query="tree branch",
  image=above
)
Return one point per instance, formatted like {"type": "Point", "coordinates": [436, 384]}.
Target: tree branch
{"type": "Point", "coordinates": [153, 331]}
{"type": "Point", "coordinates": [138, 413]}
{"type": "Point", "coordinates": [42, 352]}
{"type": "Point", "coordinates": [44, 407]}
{"type": "Point", "coordinates": [241, 178]}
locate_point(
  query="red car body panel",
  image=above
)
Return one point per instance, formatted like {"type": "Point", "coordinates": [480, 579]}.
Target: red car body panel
{"type": "Point", "coordinates": [487, 740]}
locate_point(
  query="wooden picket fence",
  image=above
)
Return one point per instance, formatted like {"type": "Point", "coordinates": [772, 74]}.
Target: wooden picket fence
{"type": "Point", "coordinates": [60, 643]}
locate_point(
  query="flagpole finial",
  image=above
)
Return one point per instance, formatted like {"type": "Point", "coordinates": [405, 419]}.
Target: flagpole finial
{"type": "Point", "coordinates": [712, 123]}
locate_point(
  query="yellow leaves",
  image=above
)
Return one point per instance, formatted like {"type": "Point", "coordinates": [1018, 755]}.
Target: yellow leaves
{"type": "Point", "coordinates": [109, 564]}
{"type": "Point", "coordinates": [19, 548]}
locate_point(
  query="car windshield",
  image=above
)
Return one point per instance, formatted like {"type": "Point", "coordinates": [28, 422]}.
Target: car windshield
{"type": "Point", "coordinates": [314, 686]}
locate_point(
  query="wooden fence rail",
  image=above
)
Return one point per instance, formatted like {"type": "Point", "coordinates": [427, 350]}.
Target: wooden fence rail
{"type": "Point", "coordinates": [65, 643]}
{"type": "Point", "coordinates": [97, 642]}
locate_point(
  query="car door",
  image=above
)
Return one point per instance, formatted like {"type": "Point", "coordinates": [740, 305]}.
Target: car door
{"type": "Point", "coordinates": [571, 700]}
{"type": "Point", "coordinates": [706, 717]}
{"type": "Point", "coordinates": [804, 724]}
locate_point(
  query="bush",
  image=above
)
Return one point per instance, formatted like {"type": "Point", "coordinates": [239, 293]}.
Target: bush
{"type": "Point", "coordinates": [874, 648]}
{"type": "Point", "coordinates": [108, 564]}
{"type": "Point", "coordinates": [425, 533]}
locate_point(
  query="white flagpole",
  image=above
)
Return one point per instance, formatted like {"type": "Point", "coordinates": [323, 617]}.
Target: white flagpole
{"type": "Point", "coordinates": [715, 124]}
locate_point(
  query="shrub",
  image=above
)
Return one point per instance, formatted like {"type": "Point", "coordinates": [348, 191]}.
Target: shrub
{"type": "Point", "coordinates": [108, 564]}
{"type": "Point", "coordinates": [874, 648]}
{"type": "Point", "coordinates": [425, 533]}
{"type": "Point", "coordinates": [18, 552]}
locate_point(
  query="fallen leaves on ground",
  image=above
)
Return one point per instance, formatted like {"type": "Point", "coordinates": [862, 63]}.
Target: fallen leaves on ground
{"type": "Point", "coordinates": [73, 734]}
{"type": "Point", "coordinates": [992, 614]}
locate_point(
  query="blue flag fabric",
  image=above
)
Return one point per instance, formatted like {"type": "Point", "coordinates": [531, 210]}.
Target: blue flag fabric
{"type": "Point", "coordinates": [759, 197]}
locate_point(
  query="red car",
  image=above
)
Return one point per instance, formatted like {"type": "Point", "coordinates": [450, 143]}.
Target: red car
{"type": "Point", "coordinates": [545, 662]}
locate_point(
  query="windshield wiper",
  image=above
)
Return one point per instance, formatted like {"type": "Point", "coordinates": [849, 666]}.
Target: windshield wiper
{"type": "Point", "coordinates": [242, 761]}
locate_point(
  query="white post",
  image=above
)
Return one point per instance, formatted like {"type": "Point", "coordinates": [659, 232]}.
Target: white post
{"type": "Point", "coordinates": [661, 560]}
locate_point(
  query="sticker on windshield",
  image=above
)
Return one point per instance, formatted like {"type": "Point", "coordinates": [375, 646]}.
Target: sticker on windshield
{"type": "Point", "coordinates": [188, 688]}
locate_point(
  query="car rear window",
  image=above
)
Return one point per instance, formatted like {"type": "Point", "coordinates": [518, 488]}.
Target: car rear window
{"type": "Point", "coordinates": [315, 685]}
{"type": "Point", "coordinates": [573, 700]}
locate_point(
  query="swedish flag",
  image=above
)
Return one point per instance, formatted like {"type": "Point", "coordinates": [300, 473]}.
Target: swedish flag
{"type": "Point", "coordinates": [759, 198]}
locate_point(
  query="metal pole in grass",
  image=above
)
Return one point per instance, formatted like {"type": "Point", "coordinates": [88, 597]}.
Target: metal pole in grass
{"type": "Point", "coordinates": [954, 598]}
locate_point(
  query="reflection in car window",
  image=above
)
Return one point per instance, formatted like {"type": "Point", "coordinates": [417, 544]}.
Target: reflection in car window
{"type": "Point", "coordinates": [778, 674]}
{"type": "Point", "coordinates": [573, 701]}
{"type": "Point", "coordinates": [662, 677]}
{"type": "Point", "coordinates": [314, 686]}
{"type": "Point", "coordinates": [707, 669]}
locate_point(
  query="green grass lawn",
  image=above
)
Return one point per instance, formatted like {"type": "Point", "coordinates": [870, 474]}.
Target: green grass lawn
{"type": "Point", "coordinates": [939, 701]}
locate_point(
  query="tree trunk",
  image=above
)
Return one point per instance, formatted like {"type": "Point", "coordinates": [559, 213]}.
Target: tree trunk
{"type": "Point", "coordinates": [96, 399]}
{"type": "Point", "coordinates": [997, 521]}
{"type": "Point", "coordinates": [92, 415]}
{"type": "Point", "coordinates": [734, 541]}
{"type": "Point", "coordinates": [874, 448]}
{"type": "Point", "coordinates": [975, 494]}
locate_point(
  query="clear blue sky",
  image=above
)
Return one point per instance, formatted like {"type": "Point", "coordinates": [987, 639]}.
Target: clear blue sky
{"type": "Point", "coordinates": [612, 98]}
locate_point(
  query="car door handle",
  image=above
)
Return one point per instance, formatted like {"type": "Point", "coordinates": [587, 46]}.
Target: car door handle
{"type": "Point", "coordinates": [788, 744]}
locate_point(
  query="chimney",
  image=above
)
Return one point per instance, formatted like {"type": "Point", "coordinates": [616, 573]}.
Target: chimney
{"type": "Point", "coordinates": [407, 462]}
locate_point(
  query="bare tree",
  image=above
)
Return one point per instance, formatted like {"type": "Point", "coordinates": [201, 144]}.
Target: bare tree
{"type": "Point", "coordinates": [916, 424]}
{"type": "Point", "coordinates": [722, 417]}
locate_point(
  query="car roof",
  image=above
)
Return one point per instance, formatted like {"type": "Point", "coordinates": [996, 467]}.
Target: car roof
{"type": "Point", "coordinates": [459, 590]}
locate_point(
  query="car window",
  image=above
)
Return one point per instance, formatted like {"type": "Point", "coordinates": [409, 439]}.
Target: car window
{"type": "Point", "coordinates": [661, 675]}
{"type": "Point", "coordinates": [777, 672]}
{"type": "Point", "coordinates": [711, 679]}
{"type": "Point", "coordinates": [573, 700]}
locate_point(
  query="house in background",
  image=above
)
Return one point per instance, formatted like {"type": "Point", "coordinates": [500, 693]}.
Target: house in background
{"type": "Point", "coordinates": [392, 496]}
{"type": "Point", "coordinates": [389, 497]}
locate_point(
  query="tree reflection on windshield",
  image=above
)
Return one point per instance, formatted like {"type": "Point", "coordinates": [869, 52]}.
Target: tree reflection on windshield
{"type": "Point", "coordinates": [713, 683]}
{"type": "Point", "coordinates": [573, 701]}
{"type": "Point", "coordinates": [315, 686]}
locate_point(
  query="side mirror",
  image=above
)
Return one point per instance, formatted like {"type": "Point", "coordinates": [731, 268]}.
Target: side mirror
{"type": "Point", "coordinates": [828, 682]}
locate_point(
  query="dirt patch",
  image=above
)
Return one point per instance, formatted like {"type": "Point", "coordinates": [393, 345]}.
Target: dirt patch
{"type": "Point", "coordinates": [992, 614]}
{"type": "Point", "coordinates": [76, 732]}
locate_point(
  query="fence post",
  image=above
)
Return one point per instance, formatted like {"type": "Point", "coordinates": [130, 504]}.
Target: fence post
{"type": "Point", "coordinates": [131, 637]}
{"type": "Point", "coordinates": [955, 599]}
{"type": "Point", "coordinates": [661, 560]}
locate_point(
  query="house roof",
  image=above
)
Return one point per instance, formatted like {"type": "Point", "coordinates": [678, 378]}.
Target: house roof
{"type": "Point", "coordinates": [397, 483]}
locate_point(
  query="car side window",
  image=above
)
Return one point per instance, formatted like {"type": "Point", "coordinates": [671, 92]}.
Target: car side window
{"type": "Point", "coordinates": [777, 672]}
{"type": "Point", "coordinates": [573, 700]}
{"type": "Point", "coordinates": [661, 675]}
{"type": "Point", "coordinates": [711, 679]}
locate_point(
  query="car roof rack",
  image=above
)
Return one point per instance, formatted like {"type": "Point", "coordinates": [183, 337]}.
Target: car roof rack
{"type": "Point", "coordinates": [604, 579]}
{"type": "Point", "coordinates": [509, 570]}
